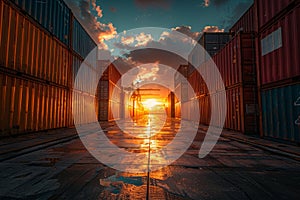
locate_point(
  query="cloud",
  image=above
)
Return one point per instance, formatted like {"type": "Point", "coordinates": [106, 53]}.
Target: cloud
{"type": "Point", "coordinates": [151, 50]}
{"type": "Point", "coordinates": [127, 40]}
{"type": "Point", "coordinates": [206, 3]}
{"type": "Point", "coordinates": [98, 31]}
{"type": "Point", "coordinates": [153, 3]}
{"type": "Point", "coordinates": [212, 29]}
{"type": "Point", "coordinates": [97, 8]}
{"type": "Point", "coordinates": [131, 42]}
{"type": "Point", "coordinates": [143, 39]}
{"type": "Point", "coordinates": [187, 30]}
{"type": "Point", "coordinates": [171, 39]}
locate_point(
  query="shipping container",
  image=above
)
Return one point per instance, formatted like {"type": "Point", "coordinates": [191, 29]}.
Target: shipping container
{"type": "Point", "coordinates": [85, 106]}
{"type": "Point", "coordinates": [246, 22]}
{"type": "Point", "coordinates": [280, 49]}
{"type": "Point", "coordinates": [204, 109]}
{"type": "Point", "coordinates": [82, 43]}
{"type": "Point", "coordinates": [109, 95]}
{"type": "Point", "coordinates": [269, 10]}
{"type": "Point", "coordinates": [281, 112]}
{"type": "Point", "coordinates": [182, 91]}
{"type": "Point", "coordinates": [181, 74]}
{"type": "Point", "coordinates": [111, 73]}
{"type": "Point", "coordinates": [242, 113]}
{"type": "Point", "coordinates": [29, 50]}
{"type": "Point", "coordinates": [27, 105]}
{"type": "Point", "coordinates": [53, 15]}
{"type": "Point", "coordinates": [236, 61]}
{"type": "Point", "coordinates": [241, 106]}
{"type": "Point", "coordinates": [210, 44]}
{"type": "Point", "coordinates": [213, 42]}
{"type": "Point", "coordinates": [171, 105]}
{"type": "Point", "coordinates": [178, 109]}
{"type": "Point", "coordinates": [197, 83]}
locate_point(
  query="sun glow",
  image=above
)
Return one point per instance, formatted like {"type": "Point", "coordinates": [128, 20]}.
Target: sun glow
{"type": "Point", "coordinates": [150, 103]}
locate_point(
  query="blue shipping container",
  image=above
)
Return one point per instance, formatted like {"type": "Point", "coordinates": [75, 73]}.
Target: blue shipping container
{"type": "Point", "coordinates": [281, 113]}
{"type": "Point", "coordinates": [82, 43]}
{"type": "Point", "coordinates": [53, 15]}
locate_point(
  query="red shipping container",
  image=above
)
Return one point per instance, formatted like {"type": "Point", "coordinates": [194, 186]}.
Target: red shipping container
{"type": "Point", "coordinates": [280, 46]}
{"type": "Point", "coordinates": [236, 61]}
{"type": "Point", "coordinates": [197, 83]}
{"type": "Point", "coordinates": [241, 109]}
{"type": "Point", "coordinates": [268, 9]}
{"type": "Point", "coordinates": [246, 23]}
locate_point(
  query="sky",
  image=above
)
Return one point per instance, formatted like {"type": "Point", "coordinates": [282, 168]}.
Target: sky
{"type": "Point", "coordinates": [122, 31]}
{"type": "Point", "coordinates": [115, 16]}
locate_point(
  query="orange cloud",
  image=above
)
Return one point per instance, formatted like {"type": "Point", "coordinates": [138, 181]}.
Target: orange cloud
{"type": "Point", "coordinates": [206, 3]}
{"type": "Point", "coordinates": [98, 31]}
{"type": "Point", "coordinates": [143, 39]}
{"type": "Point", "coordinates": [212, 29]}
{"type": "Point", "coordinates": [127, 40]}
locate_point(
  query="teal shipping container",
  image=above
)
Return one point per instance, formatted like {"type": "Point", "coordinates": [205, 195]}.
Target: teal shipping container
{"type": "Point", "coordinates": [82, 43]}
{"type": "Point", "coordinates": [281, 113]}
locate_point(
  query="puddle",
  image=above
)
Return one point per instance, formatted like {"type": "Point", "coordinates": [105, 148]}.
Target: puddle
{"type": "Point", "coordinates": [115, 183]}
{"type": "Point", "coordinates": [133, 185]}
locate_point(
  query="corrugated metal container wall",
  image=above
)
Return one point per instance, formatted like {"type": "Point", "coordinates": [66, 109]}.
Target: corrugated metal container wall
{"type": "Point", "coordinates": [114, 101]}
{"type": "Point", "coordinates": [197, 83]}
{"type": "Point", "coordinates": [29, 50]}
{"type": "Point", "coordinates": [53, 15]}
{"type": "Point", "coordinates": [28, 105]}
{"type": "Point", "coordinates": [75, 66]}
{"type": "Point", "coordinates": [242, 109]}
{"type": "Point", "coordinates": [236, 61]}
{"type": "Point", "coordinates": [85, 103]}
{"type": "Point", "coordinates": [246, 23]}
{"type": "Point", "coordinates": [109, 95]}
{"type": "Point", "coordinates": [181, 74]}
{"type": "Point", "coordinates": [171, 105]}
{"type": "Point", "coordinates": [267, 9]}
{"type": "Point", "coordinates": [205, 109]}
{"type": "Point", "coordinates": [125, 105]}
{"type": "Point", "coordinates": [82, 43]}
{"type": "Point", "coordinates": [178, 109]}
{"type": "Point", "coordinates": [280, 49]}
{"type": "Point", "coordinates": [281, 112]}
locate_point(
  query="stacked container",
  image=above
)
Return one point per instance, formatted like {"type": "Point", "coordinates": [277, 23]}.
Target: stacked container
{"type": "Point", "coordinates": [109, 94]}
{"type": "Point", "coordinates": [213, 42]}
{"type": "Point", "coordinates": [180, 89]}
{"type": "Point", "coordinates": [279, 68]}
{"type": "Point", "coordinates": [236, 64]}
{"type": "Point", "coordinates": [53, 15]}
{"type": "Point", "coordinates": [36, 60]}
{"type": "Point", "coordinates": [247, 23]}
{"type": "Point", "coordinates": [171, 105]}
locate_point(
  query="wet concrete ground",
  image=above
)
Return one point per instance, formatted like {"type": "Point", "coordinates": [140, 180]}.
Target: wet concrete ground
{"type": "Point", "coordinates": [233, 170]}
